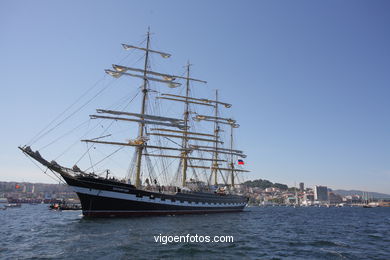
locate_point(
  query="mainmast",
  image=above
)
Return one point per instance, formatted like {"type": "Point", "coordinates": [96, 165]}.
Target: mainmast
{"type": "Point", "coordinates": [185, 132]}
{"type": "Point", "coordinates": [142, 124]}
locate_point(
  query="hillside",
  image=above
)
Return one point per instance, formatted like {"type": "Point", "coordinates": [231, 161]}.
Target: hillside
{"type": "Point", "coordinates": [375, 195]}
{"type": "Point", "coordinates": [263, 184]}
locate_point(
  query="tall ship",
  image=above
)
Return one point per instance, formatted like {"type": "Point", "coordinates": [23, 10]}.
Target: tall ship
{"type": "Point", "coordinates": [182, 164]}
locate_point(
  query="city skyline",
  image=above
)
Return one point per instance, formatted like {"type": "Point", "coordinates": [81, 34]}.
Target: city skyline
{"type": "Point", "coordinates": [308, 81]}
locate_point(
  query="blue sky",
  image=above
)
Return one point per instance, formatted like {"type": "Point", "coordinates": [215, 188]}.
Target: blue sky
{"type": "Point", "coordinates": [309, 80]}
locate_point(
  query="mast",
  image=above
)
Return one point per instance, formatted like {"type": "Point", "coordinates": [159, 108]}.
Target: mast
{"type": "Point", "coordinates": [231, 156]}
{"type": "Point", "coordinates": [185, 133]}
{"type": "Point", "coordinates": [216, 132]}
{"type": "Point", "coordinates": [142, 124]}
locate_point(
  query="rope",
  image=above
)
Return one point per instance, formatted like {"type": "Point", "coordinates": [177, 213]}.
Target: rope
{"type": "Point", "coordinates": [90, 160]}
{"type": "Point", "coordinates": [40, 135]}
{"type": "Point", "coordinates": [131, 170]}
{"type": "Point", "coordinates": [37, 165]}
{"type": "Point", "coordinates": [149, 165]}
{"type": "Point", "coordinates": [105, 130]}
{"type": "Point", "coordinates": [62, 136]}
{"type": "Point", "coordinates": [74, 112]}
{"type": "Point", "coordinates": [120, 148]}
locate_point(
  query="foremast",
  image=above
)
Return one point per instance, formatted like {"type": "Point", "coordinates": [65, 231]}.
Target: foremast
{"type": "Point", "coordinates": [142, 124]}
{"type": "Point", "coordinates": [142, 119]}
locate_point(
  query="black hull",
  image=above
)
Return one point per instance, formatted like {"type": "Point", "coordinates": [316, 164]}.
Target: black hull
{"type": "Point", "coordinates": [105, 198]}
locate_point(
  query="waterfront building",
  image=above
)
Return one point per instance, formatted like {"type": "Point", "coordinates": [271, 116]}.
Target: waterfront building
{"type": "Point", "coordinates": [290, 200]}
{"type": "Point", "coordinates": [309, 197]}
{"type": "Point", "coordinates": [321, 193]}
{"type": "Point", "coordinates": [335, 198]}
{"type": "Point", "coordinates": [301, 186]}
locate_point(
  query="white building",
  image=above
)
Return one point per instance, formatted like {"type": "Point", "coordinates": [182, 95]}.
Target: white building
{"type": "Point", "coordinates": [321, 193]}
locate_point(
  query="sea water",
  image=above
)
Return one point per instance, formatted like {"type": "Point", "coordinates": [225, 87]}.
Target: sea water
{"type": "Point", "coordinates": [35, 232]}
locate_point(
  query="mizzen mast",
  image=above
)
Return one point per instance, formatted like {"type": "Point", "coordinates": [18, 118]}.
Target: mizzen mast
{"type": "Point", "coordinates": [216, 132]}
{"type": "Point", "coordinates": [216, 149]}
{"type": "Point", "coordinates": [232, 126]}
{"type": "Point", "coordinates": [185, 134]}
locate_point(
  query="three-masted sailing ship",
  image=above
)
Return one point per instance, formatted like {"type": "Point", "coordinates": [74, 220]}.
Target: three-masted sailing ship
{"type": "Point", "coordinates": [104, 196]}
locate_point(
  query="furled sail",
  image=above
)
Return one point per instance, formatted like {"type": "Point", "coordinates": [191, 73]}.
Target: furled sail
{"type": "Point", "coordinates": [219, 148]}
{"type": "Point", "coordinates": [168, 77]}
{"type": "Point", "coordinates": [217, 168]}
{"type": "Point", "coordinates": [180, 126]}
{"type": "Point", "coordinates": [200, 99]}
{"type": "Point", "coordinates": [131, 143]}
{"type": "Point", "coordinates": [186, 137]}
{"type": "Point", "coordinates": [179, 157]}
{"type": "Point", "coordinates": [117, 74]}
{"type": "Point", "coordinates": [181, 132]}
{"type": "Point", "coordinates": [152, 117]}
{"type": "Point", "coordinates": [129, 47]}
{"type": "Point", "coordinates": [218, 151]}
{"type": "Point", "coordinates": [186, 101]}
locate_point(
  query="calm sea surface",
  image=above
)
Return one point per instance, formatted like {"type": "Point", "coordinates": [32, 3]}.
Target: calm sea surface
{"type": "Point", "coordinates": [34, 232]}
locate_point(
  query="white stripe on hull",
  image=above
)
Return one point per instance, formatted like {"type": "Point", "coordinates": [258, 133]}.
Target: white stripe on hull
{"type": "Point", "coordinates": [132, 197]}
{"type": "Point", "coordinates": [156, 211]}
